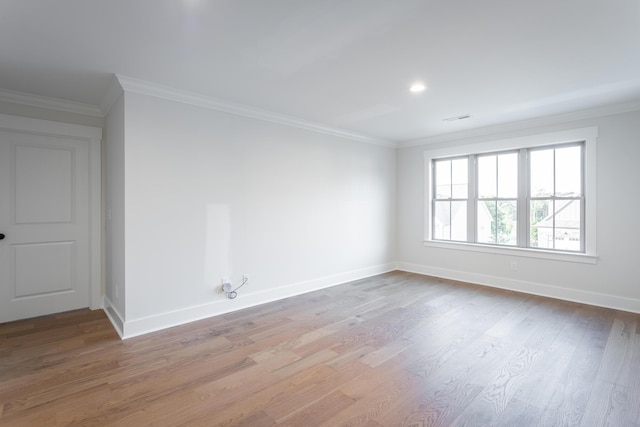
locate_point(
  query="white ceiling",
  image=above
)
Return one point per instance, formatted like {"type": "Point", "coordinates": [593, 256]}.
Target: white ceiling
{"type": "Point", "coordinates": [346, 64]}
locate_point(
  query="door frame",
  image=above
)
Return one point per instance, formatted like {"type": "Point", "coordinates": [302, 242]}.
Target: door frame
{"type": "Point", "coordinates": [93, 138]}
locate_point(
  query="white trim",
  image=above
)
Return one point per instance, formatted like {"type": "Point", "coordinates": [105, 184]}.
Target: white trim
{"type": "Point", "coordinates": [46, 127]}
{"type": "Point", "coordinates": [93, 137]}
{"type": "Point", "coordinates": [116, 319]}
{"type": "Point", "coordinates": [135, 327]}
{"type": "Point", "coordinates": [111, 96]}
{"type": "Point", "coordinates": [513, 251]}
{"type": "Point", "coordinates": [588, 135]}
{"type": "Point", "coordinates": [95, 220]}
{"type": "Point", "coordinates": [503, 144]}
{"type": "Point", "coordinates": [521, 125]}
{"type": "Point", "coordinates": [49, 103]}
{"type": "Point", "coordinates": [130, 84]}
{"type": "Point", "coordinates": [140, 86]}
{"type": "Point", "coordinates": [550, 291]}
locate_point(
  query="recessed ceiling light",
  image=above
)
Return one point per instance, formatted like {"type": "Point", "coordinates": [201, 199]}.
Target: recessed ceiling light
{"type": "Point", "coordinates": [417, 87]}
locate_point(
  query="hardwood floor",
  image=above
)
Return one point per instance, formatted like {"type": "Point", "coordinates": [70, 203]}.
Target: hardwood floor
{"type": "Point", "coordinates": [394, 350]}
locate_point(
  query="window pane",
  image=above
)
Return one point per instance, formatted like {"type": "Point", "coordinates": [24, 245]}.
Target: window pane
{"type": "Point", "coordinates": [485, 228]}
{"type": "Point", "coordinates": [459, 175]}
{"type": "Point", "coordinates": [508, 176]}
{"type": "Point", "coordinates": [487, 177]}
{"type": "Point", "coordinates": [443, 179]}
{"type": "Point", "coordinates": [568, 171]}
{"type": "Point", "coordinates": [442, 221]}
{"type": "Point", "coordinates": [459, 221]}
{"type": "Point", "coordinates": [541, 221]}
{"type": "Point", "coordinates": [507, 223]}
{"type": "Point", "coordinates": [541, 173]}
{"type": "Point", "coordinates": [567, 227]}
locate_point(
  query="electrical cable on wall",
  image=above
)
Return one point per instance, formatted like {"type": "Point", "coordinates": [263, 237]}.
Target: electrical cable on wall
{"type": "Point", "coordinates": [231, 293]}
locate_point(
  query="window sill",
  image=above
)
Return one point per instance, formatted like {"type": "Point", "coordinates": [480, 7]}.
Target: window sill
{"type": "Point", "coordinates": [519, 252]}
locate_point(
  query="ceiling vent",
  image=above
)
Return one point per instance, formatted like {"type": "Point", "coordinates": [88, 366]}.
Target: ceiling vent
{"type": "Point", "coordinates": [453, 119]}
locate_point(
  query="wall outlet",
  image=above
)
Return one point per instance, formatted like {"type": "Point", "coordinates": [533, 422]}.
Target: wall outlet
{"type": "Point", "coordinates": [226, 285]}
{"type": "Point", "coordinates": [514, 266]}
{"type": "Point", "coordinates": [245, 278]}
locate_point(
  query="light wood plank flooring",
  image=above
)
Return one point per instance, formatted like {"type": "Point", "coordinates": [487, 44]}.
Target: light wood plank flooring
{"type": "Point", "coordinates": [394, 350]}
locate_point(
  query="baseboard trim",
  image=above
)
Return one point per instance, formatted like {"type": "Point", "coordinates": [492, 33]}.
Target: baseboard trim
{"type": "Point", "coordinates": [116, 319]}
{"type": "Point", "coordinates": [140, 326]}
{"type": "Point", "coordinates": [567, 294]}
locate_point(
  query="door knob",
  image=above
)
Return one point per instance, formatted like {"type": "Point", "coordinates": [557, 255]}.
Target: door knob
{"type": "Point", "coordinates": [1, 236]}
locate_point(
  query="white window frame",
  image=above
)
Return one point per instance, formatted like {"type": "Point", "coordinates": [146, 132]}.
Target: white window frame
{"type": "Point", "coordinates": [589, 135]}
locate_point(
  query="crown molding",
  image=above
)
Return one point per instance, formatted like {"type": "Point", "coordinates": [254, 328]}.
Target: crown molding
{"type": "Point", "coordinates": [49, 103]}
{"type": "Point", "coordinates": [111, 95]}
{"type": "Point", "coordinates": [130, 84]}
{"type": "Point", "coordinates": [606, 110]}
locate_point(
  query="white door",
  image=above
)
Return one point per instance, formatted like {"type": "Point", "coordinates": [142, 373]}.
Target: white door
{"type": "Point", "coordinates": [45, 258]}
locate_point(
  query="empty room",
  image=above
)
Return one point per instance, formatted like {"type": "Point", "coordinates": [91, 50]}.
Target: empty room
{"type": "Point", "coordinates": [319, 213]}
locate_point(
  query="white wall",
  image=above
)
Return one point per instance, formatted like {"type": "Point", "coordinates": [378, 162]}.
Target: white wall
{"type": "Point", "coordinates": [209, 194]}
{"type": "Point", "coordinates": [613, 281]}
{"type": "Point", "coordinates": [114, 241]}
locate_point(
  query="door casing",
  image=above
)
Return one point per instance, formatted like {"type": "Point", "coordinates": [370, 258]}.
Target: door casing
{"type": "Point", "coordinates": [92, 136]}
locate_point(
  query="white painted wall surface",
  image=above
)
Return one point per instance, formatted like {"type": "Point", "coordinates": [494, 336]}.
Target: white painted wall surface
{"type": "Point", "coordinates": [115, 295]}
{"type": "Point", "coordinates": [613, 281]}
{"type": "Point", "coordinates": [211, 195]}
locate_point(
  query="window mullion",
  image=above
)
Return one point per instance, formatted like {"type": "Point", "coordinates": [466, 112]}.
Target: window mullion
{"type": "Point", "coordinates": [450, 200]}
{"type": "Point", "coordinates": [471, 201]}
{"type": "Point", "coordinates": [495, 201]}
{"type": "Point", "coordinates": [523, 198]}
{"type": "Point", "coordinates": [553, 202]}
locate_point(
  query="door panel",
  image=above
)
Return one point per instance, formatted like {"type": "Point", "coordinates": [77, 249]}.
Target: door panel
{"type": "Point", "coordinates": [43, 269]}
{"type": "Point", "coordinates": [46, 196]}
{"type": "Point", "coordinates": [44, 214]}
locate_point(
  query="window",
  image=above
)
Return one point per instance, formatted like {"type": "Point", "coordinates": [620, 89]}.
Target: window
{"type": "Point", "coordinates": [450, 203]}
{"type": "Point", "coordinates": [556, 200]}
{"type": "Point", "coordinates": [497, 201]}
{"type": "Point", "coordinates": [536, 197]}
